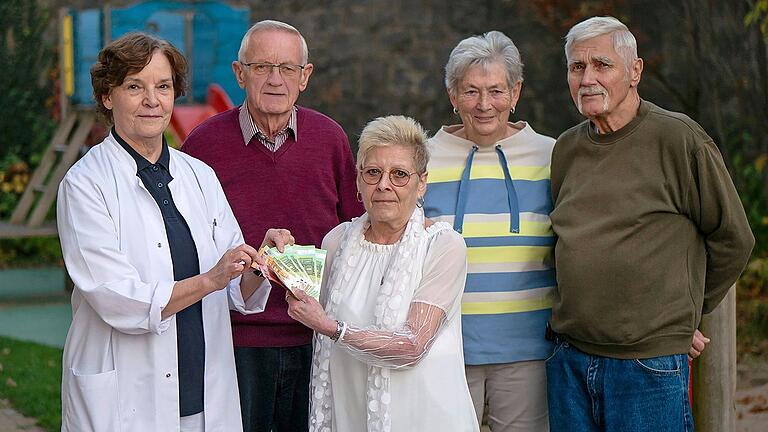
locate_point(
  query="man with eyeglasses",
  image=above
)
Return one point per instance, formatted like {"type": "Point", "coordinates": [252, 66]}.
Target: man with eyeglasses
{"type": "Point", "coordinates": [280, 165]}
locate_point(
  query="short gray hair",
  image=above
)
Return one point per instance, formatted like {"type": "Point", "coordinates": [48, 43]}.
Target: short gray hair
{"type": "Point", "coordinates": [272, 25]}
{"type": "Point", "coordinates": [395, 130]}
{"type": "Point", "coordinates": [624, 42]}
{"type": "Point", "coordinates": [492, 47]}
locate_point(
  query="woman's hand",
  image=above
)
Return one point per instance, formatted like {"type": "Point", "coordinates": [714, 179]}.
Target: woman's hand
{"type": "Point", "coordinates": [309, 312]}
{"type": "Point", "coordinates": [231, 265]}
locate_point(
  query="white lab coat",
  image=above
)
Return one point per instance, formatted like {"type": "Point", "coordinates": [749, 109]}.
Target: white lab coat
{"type": "Point", "coordinates": [120, 358]}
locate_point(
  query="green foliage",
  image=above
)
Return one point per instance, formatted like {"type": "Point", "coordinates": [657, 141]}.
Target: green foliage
{"type": "Point", "coordinates": [14, 176]}
{"type": "Point", "coordinates": [30, 251]}
{"type": "Point", "coordinates": [759, 323]}
{"type": "Point", "coordinates": [26, 57]}
{"type": "Point", "coordinates": [26, 105]}
{"type": "Point", "coordinates": [30, 377]}
{"type": "Point", "coordinates": [758, 16]}
{"type": "Point", "coordinates": [752, 309]}
{"type": "Point", "coordinates": [750, 175]}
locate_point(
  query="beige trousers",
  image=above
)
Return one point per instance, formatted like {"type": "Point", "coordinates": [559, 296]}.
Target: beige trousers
{"type": "Point", "coordinates": [515, 394]}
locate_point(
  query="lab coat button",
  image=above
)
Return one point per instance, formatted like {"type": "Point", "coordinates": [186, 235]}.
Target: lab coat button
{"type": "Point", "coordinates": [167, 375]}
{"type": "Point", "coordinates": [159, 245]}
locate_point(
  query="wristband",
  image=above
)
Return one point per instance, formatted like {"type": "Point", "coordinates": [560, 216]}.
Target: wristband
{"type": "Point", "coordinates": [343, 331]}
{"type": "Point", "coordinates": [340, 327]}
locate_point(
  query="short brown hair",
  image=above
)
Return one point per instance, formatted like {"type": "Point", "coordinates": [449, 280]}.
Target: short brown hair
{"type": "Point", "coordinates": [129, 54]}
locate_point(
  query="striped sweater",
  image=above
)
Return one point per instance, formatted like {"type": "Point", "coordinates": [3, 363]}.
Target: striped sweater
{"type": "Point", "coordinates": [510, 280]}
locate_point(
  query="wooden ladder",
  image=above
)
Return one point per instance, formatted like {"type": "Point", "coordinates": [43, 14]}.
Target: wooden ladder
{"type": "Point", "coordinates": [64, 149]}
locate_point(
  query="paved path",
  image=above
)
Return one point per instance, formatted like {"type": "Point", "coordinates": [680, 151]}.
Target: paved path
{"type": "Point", "coordinates": [752, 397]}
{"type": "Point", "coordinates": [33, 307]}
{"type": "Point", "coordinates": [11, 421]}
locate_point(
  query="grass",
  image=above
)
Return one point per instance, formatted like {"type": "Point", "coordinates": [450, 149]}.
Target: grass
{"type": "Point", "coordinates": [30, 377]}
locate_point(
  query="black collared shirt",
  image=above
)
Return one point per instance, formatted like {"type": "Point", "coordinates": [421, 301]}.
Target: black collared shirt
{"type": "Point", "coordinates": [189, 322]}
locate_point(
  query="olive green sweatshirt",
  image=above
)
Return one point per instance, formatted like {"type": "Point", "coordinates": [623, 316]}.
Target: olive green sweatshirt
{"type": "Point", "coordinates": [651, 234]}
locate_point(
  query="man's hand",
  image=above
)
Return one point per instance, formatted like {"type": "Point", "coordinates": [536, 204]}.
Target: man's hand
{"type": "Point", "coordinates": [279, 238]}
{"type": "Point", "coordinates": [697, 345]}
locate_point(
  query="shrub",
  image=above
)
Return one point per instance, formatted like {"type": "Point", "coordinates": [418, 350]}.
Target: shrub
{"type": "Point", "coordinates": [752, 309]}
{"type": "Point", "coordinates": [27, 99]}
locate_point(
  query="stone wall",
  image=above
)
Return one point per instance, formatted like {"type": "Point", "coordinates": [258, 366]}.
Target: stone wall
{"type": "Point", "coordinates": [380, 57]}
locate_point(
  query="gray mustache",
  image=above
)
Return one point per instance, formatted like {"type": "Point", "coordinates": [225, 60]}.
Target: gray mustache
{"type": "Point", "coordinates": [594, 90]}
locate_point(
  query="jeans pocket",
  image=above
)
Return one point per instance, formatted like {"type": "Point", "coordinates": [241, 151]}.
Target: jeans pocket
{"type": "Point", "coordinates": [662, 365]}
{"type": "Point", "coordinates": [557, 349]}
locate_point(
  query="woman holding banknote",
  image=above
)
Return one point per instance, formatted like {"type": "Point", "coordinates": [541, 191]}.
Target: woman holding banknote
{"type": "Point", "coordinates": [388, 352]}
{"type": "Point", "coordinates": [157, 259]}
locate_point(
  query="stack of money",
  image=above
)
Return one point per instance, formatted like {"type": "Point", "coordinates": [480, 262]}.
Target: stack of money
{"type": "Point", "coordinates": [297, 267]}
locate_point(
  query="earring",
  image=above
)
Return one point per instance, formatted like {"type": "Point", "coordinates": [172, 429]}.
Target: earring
{"type": "Point", "coordinates": [359, 196]}
{"type": "Point", "coordinates": [455, 111]}
{"type": "Point", "coordinates": [512, 110]}
{"type": "Point", "coordinates": [420, 202]}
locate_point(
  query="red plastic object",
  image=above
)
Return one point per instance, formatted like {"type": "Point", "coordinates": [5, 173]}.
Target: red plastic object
{"type": "Point", "coordinates": [187, 117]}
{"type": "Point", "coordinates": [690, 382]}
{"type": "Point", "coordinates": [218, 98]}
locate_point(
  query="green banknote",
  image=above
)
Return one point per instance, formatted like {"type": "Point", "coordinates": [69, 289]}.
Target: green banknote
{"type": "Point", "coordinates": [297, 267]}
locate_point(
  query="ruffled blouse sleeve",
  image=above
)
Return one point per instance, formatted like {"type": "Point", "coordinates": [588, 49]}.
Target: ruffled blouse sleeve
{"type": "Point", "coordinates": [437, 298]}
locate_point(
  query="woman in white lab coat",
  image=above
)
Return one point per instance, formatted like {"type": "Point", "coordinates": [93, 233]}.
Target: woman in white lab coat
{"type": "Point", "coordinates": [133, 214]}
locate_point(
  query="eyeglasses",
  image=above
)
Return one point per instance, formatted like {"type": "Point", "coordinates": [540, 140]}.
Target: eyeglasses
{"type": "Point", "coordinates": [286, 69]}
{"type": "Point", "coordinates": [398, 177]}
{"type": "Point", "coordinates": [494, 93]}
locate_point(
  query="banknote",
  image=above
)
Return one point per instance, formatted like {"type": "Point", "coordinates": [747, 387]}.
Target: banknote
{"type": "Point", "coordinates": [297, 267]}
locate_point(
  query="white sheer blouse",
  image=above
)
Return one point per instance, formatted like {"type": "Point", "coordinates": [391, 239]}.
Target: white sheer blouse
{"type": "Point", "coordinates": [428, 389]}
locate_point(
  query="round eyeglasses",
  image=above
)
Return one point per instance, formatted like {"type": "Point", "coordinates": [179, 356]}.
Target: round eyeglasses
{"type": "Point", "coordinates": [398, 177]}
{"type": "Point", "coordinates": [286, 69]}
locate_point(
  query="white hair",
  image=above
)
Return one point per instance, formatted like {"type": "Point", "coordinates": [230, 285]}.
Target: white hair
{"type": "Point", "coordinates": [491, 47]}
{"type": "Point", "coordinates": [272, 25]}
{"type": "Point", "coordinates": [624, 42]}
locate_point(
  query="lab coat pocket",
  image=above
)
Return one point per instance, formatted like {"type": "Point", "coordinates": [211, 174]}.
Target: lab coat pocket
{"type": "Point", "coordinates": [93, 402]}
{"type": "Point", "coordinates": [224, 238]}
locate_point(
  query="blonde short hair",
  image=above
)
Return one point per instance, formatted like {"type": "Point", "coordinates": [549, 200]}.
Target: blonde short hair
{"type": "Point", "coordinates": [395, 130]}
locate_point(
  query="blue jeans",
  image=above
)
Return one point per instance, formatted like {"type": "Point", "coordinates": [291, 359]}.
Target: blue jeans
{"type": "Point", "coordinates": [274, 388]}
{"type": "Point", "coordinates": [593, 393]}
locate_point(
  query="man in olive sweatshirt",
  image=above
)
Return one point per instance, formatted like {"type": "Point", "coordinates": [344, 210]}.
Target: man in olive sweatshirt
{"type": "Point", "coordinates": [651, 235]}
